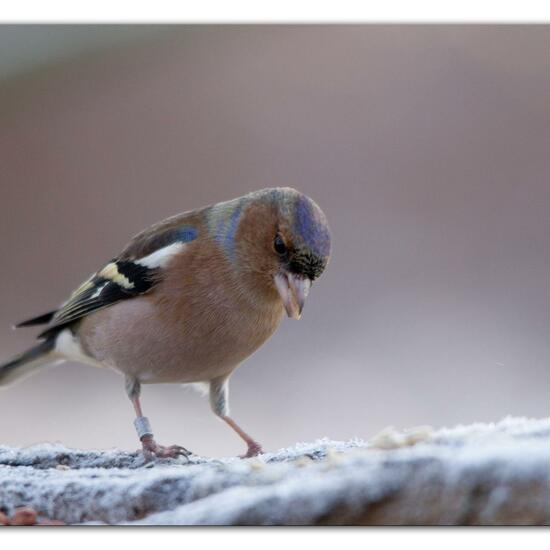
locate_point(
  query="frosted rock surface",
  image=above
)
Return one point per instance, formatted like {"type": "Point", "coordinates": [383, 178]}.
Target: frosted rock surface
{"type": "Point", "coordinates": [477, 474]}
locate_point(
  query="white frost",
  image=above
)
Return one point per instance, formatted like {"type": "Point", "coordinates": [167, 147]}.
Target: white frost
{"type": "Point", "coordinates": [482, 473]}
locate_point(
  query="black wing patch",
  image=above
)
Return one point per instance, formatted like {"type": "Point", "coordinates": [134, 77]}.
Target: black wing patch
{"type": "Point", "coordinates": [134, 272]}
{"type": "Point", "coordinates": [118, 280]}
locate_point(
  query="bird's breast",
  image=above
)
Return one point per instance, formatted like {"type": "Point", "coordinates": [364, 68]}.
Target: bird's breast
{"type": "Point", "coordinates": [194, 337]}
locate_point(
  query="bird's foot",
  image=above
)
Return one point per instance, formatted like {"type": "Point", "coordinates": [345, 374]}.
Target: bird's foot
{"type": "Point", "coordinates": [254, 449]}
{"type": "Point", "coordinates": [151, 450]}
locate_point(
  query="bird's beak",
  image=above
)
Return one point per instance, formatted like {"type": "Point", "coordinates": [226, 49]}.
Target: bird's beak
{"type": "Point", "coordinates": [293, 291]}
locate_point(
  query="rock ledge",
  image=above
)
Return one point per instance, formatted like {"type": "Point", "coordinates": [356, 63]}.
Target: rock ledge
{"type": "Point", "coordinates": [490, 474]}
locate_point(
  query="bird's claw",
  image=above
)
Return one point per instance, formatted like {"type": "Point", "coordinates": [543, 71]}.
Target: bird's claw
{"type": "Point", "coordinates": [254, 449]}
{"type": "Point", "coordinates": [151, 450]}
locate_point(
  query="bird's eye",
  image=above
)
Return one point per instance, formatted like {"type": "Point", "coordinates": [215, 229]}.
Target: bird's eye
{"type": "Point", "coordinates": [279, 245]}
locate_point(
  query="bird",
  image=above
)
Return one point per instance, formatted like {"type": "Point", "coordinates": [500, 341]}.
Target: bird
{"type": "Point", "coordinates": [188, 300]}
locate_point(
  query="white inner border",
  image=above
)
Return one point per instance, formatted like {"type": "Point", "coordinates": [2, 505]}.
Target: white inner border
{"type": "Point", "coordinates": [216, 11]}
{"type": "Point", "coordinates": [240, 11]}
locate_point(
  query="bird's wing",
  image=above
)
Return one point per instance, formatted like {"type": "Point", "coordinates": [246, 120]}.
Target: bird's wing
{"type": "Point", "coordinates": [133, 273]}
{"type": "Point", "coordinates": [118, 280]}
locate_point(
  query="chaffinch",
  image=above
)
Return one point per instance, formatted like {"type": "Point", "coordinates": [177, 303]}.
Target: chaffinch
{"type": "Point", "coordinates": [189, 299]}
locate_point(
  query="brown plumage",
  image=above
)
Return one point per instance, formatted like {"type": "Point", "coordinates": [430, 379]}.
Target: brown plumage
{"type": "Point", "coordinates": [189, 299]}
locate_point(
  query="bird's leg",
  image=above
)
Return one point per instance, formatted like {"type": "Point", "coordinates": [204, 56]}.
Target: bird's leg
{"type": "Point", "coordinates": [254, 448]}
{"type": "Point", "coordinates": [219, 393]}
{"type": "Point", "coordinates": [150, 447]}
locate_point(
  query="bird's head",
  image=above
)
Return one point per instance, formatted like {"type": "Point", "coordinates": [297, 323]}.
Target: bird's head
{"type": "Point", "coordinates": [281, 244]}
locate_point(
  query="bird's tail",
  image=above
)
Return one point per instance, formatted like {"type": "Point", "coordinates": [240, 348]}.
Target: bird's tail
{"type": "Point", "coordinates": [25, 363]}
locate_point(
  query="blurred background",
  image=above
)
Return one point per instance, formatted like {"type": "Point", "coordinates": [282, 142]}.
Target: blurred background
{"type": "Point", "coordinates": [428, 147]}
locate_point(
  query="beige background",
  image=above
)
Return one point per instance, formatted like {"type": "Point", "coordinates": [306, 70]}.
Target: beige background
{"type": "Point", "coordinates": [427, 147]}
